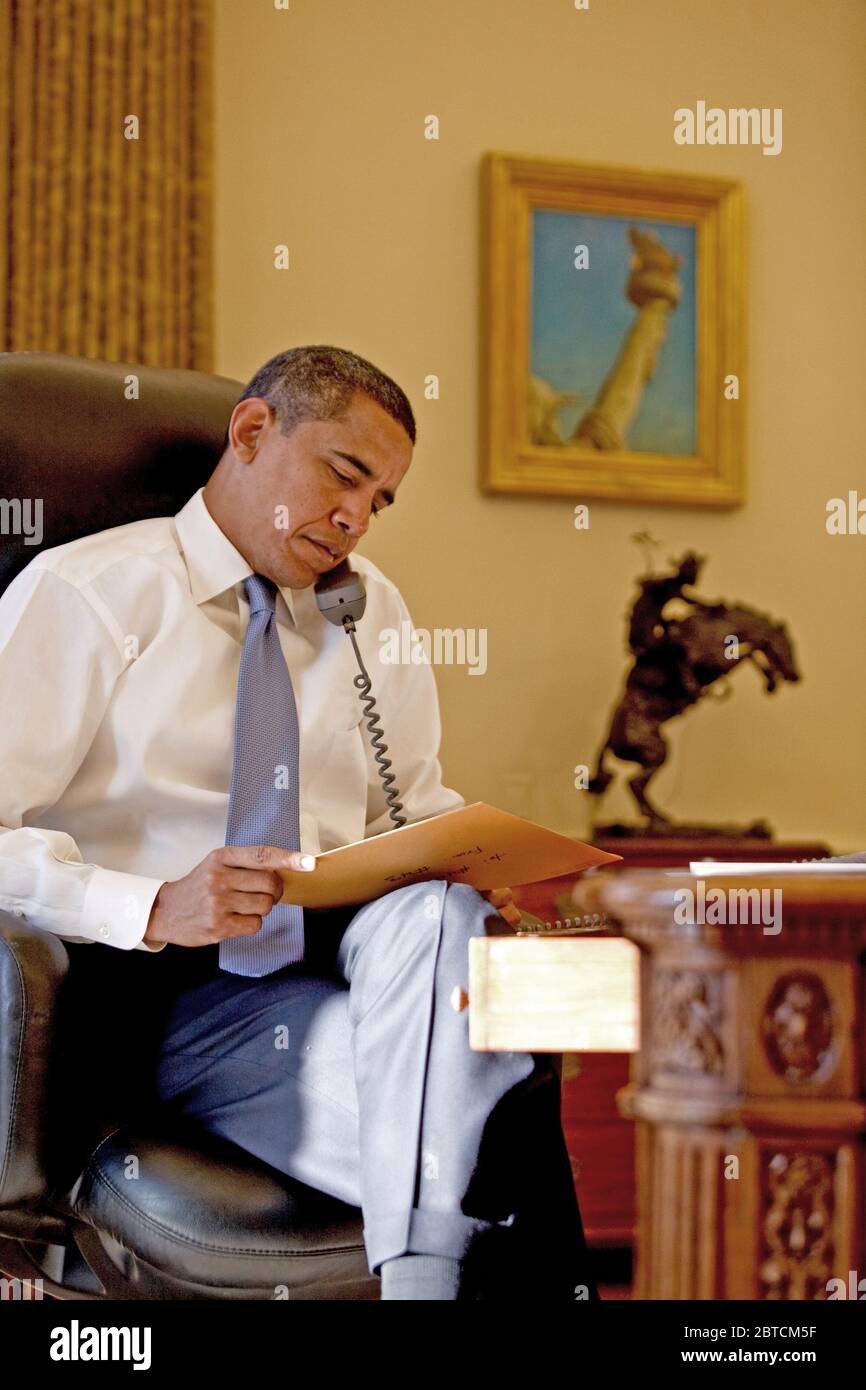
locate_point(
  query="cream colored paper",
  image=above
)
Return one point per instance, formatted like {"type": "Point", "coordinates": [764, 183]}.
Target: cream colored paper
{"type": "Point", "coordinates": [475, 844]}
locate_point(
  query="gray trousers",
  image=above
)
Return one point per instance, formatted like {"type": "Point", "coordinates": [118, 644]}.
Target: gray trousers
{"type": "Point", "coordinates": [352, 1072]}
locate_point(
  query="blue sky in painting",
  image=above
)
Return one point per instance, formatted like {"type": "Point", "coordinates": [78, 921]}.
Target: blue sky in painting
{"type": "Point", "coordinates": [579, 319]}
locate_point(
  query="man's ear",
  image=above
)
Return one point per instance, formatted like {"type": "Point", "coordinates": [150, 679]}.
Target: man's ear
{"type": "Point", "coordinates": [248, 419]}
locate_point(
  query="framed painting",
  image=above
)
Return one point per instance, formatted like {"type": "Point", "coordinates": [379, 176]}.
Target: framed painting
{"type": "Point", "coordinates": [613, 343]}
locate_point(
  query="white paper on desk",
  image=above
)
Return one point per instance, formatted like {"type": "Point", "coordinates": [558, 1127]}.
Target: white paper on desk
{"type": "Point", "coordinates": [708, 867]}
{"type": "Point", "coordinates": [476, 844]}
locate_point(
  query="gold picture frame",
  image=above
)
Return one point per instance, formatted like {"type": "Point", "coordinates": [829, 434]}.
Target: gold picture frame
{"type": "Point", "coordinates": [522, 450]}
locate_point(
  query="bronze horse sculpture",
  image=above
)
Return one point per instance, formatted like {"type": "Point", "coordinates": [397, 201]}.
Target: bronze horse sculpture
{"type": "Point", "coordinates": [676, 662]}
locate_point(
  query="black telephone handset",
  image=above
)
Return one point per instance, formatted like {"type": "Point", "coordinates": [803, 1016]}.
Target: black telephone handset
{"type": "Point", "coordinates": [342, 598]}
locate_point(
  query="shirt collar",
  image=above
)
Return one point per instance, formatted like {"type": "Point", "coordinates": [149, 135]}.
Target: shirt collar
{"type": "Point", "coordinates": [213, 563]}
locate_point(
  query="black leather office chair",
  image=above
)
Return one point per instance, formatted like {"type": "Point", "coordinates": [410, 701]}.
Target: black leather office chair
{"type": "Point", "coordinates": [80, 1023]}
{"type": "Point", "coordinates": [204, 1219]}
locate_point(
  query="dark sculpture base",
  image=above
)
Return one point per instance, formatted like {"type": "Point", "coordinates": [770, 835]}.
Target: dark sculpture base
{"type": "Point", "coordinates": [684, 844]}
{"type": "Point", "coordinates": [670, 830]}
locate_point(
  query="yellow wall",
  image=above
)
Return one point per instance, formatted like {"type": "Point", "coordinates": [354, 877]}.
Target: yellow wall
{"type": "Point", "coordinates": [320, 145]}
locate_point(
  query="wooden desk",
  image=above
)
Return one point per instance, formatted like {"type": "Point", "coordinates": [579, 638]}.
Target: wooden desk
{"type": "Point", "coordinates": [747, 1092]}
{"type": "Point", "coordinates": [748, 1089]}
{"type": "Point", "coordinates": [601, 1140]}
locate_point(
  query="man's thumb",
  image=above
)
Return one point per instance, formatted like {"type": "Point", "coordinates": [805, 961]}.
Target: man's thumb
{"type": "Point", "coordinates": [295, 859]}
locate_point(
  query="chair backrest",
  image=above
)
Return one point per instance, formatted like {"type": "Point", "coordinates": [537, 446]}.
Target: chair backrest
{"type": "Point", "coordinates": [71, 437]}
{"type": "Point", "coordinates": [99, 444]}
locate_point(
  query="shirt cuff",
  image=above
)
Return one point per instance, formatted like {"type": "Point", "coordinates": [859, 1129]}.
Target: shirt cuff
{"type": "Point", "coordinates": [117, 908]}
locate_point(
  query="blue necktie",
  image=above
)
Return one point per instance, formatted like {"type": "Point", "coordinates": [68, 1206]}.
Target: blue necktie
{"type": "Point", "coordinates": [263, 801]}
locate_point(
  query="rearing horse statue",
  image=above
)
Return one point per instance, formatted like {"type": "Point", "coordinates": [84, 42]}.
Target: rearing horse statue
{"type": "Point", "coordinates": [676, 661]}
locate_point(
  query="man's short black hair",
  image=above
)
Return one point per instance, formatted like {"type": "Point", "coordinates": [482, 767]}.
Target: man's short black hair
{"type": "Point", "coordinates": [317, 383]}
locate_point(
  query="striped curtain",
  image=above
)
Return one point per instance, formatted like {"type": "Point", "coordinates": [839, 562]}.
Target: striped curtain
{"type": "Point", "coordinates": [105, 238]}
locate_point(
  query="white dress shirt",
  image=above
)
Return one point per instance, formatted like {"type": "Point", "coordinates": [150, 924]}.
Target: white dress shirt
{"type": "Point", "coordinates": [119, 662]}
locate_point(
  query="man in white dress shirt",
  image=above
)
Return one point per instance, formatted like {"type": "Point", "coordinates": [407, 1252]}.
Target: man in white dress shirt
{"type": "Point", "coordinates": [119, 661]}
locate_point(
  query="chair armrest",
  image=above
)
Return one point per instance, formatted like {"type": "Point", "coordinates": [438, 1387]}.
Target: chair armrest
{"type": "Point", "coordinates": [33, 966]}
